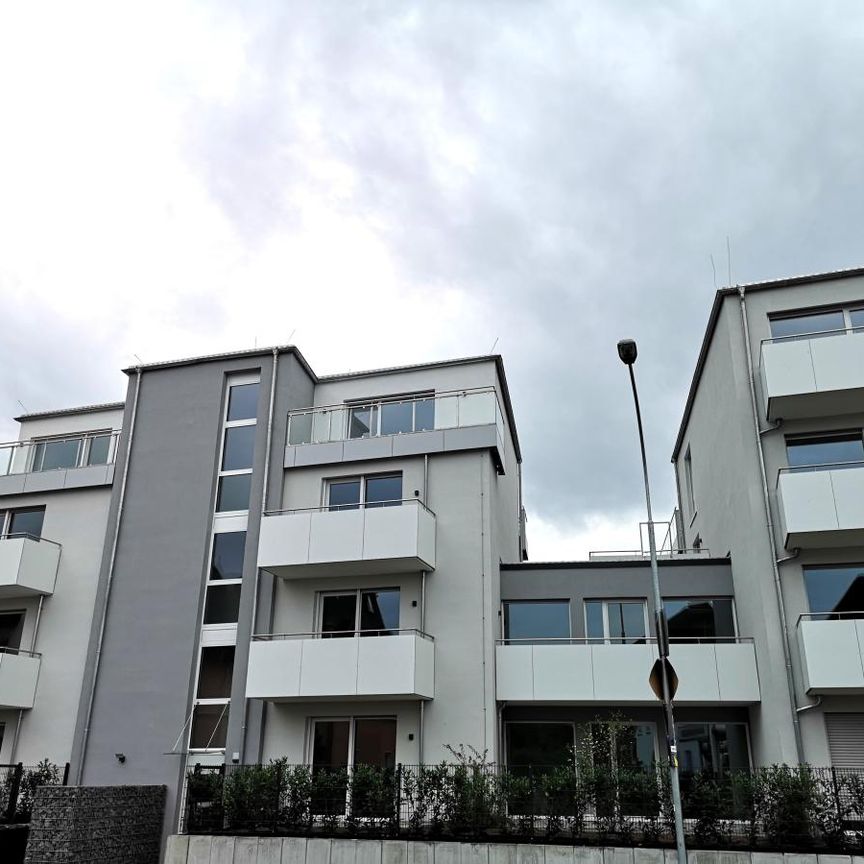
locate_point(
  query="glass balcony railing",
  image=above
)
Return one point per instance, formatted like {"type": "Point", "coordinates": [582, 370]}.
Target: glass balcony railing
{"type": "Point", "coordinates": [49, 454]}
{"type": "Point", "coordinates": [376, 418]}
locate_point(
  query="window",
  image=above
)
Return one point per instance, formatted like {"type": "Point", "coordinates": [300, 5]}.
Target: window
{"type": "Point", "coordinates": [856, 318]}
{"type": "Point", "coordinates": [215, 671]}
{"type": "Point", "coordinates": [616, 620]}
{"type": "Point", "coordinates": [26, 522]}
{"type": "Point", "coordinates": [391, 418]}
{"type": "Point", "coordinates": [48, 455]}
{"type": "Point", "coordinates": [381, 490]}
{"type": "Point", "coordinates": [714, 748]}
{"type": "Point", "coordinates": [688, 483]}
{"type": "Point", "coordinates": [835, 590]}
{"type": "Point", "coordinates": [536, 620]}
{"type": "Point", "coordinates": [99, 451]}
{"type": "Point", "coordinates": [700, 618]}
{"type": "Point", "coordinates": [347, 742]}
{"type": "Point", "coordinates": [372, 613]}
{"type": "Point", "coordinates": [243, 402]}
{"type": "Point", "coordinates": [807, 324]}
{"type": "Point", "coordinates": [539, 744]}
{"type": "Point", "coordinates": [11, 629]}
{"type": "Point", "coordinates": [222, 605]}
{"type": "Point", "coordinates": [228, 554]}
{"type": "Point", "coordinates": [239, 444]}
{"type": "Point", "coordinates": [209, 727]}
{"type": "Point", "coordinates": [814, 451]}
{"type": "Point", "coordinates": [234, 492]}
{"type": "Point", "coordinates": [624, 745]}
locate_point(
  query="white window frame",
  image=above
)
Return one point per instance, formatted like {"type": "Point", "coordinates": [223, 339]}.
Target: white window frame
{"type": "Point", "coordinates": [607, 639]}
{"type": "Point", "coordinates": [363, 478]}
{"type": "Point", "coordinates": [358, 593]}
{"type": "Point", "coordinates": [232, 381]}
{"type": "Point", "coordinates": [351, 719]}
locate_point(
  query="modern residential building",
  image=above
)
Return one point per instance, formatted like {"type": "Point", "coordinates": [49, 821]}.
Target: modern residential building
{"type": "Point", "coordinates": [55, 491]}
{"type": "Point", "coordinates": [300, 566]}
{"type": "Point", "coordinates": [770, 471]}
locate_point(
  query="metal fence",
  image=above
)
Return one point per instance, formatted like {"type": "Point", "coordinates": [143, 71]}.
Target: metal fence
{"type": "Point", "coordinates": [780, 807]}
{"type": "Point", "coordinates": [18, 783]}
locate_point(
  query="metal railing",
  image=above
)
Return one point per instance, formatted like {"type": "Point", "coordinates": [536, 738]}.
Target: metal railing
{"type": "Point", "coordinates": [17, 535]}
{"type": "Point", "coordinates": [586, 801]}
{"type": "Point", "coordinates": [830, 616]}
{"type": "Point", "coordinates": [18, 782]}
{"type": "Point", "coordinates": [6, 649]}
{"type": "Point", "coordinates": [625, 640]}
{"type": "Point", "coordinates": [375, 418]}
{"type": "Point", "coordinates": [821, 466]}
{"type": "Point", "coordinates": [815, 334]}
{"type": "Point", "coordinates": [378, 632]}
{"type": "Point", "coordinates": [363, 505]}
{"type": "Point", "coordinates": [49, 454]}
{"type": "Point", "coordinates": [639, 554]}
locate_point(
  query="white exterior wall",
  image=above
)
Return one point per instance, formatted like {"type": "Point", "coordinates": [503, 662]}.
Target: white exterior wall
{"type": "Point", "coordinates": [730, 513]}
{"type": "Point", "coordinates": [77, 519]}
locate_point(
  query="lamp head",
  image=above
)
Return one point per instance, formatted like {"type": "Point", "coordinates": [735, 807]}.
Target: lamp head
{"type": "Point", "coordinates": [627, 351]}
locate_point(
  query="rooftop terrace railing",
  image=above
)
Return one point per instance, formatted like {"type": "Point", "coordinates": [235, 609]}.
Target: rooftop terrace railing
{"type": "Point", "coordinates": [343, 634]}
{"type": "Point", "coordinates": [379, 417]}
{"type": "Point", "coordinates": [48, 454]}
{"type": "Point", "coordinates": [362, 505]}
{"type": "Point", "coordinates": [626, 640]}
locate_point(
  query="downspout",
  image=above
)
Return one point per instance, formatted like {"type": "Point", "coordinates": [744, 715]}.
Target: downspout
{"type": "Point", "coordinates": [769, 522]}
{"type": "Point", "coordinates": [263, 510]}
{"type": "Point", "coordinates": [483, 591]}
{"type": "Point", "coordinates": [104, 617]}
{"type": "Point", "coordinates": [32, 651]}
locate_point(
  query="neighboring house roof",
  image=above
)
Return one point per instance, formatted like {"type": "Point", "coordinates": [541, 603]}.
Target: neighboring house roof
{"type": "Point", "coordinates": [713, 317]}
{"type": "Point", "coordinates": [62, 412]}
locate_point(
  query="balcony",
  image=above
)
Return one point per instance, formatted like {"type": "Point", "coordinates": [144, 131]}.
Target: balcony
{"type": "Point", "coordinates": [19, 672]}
{"type": "Point", "coordinates": [822, 506]}
{"type": "Point", "coordinates": [28, 565]}
{"type": "Point", "coordinates": [832, 652]}
{"type": "Point", "coordinates": [298, 544]}
{"type": "Point", "coordinates": [306, 667]}
{"type": "Point", "coordinates": [586, 672]}
{"type": "Point", "coordinates": [51, 464]}
{"type": "Point", "coordinates": [813, 377]}
{"type": "Point", "coordinates": [380, 429]}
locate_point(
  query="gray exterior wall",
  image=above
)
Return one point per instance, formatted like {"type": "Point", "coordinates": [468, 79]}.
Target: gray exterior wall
{"type": "Point", "coordinates": [144, 685]}
{"type": "Point", "coordinates": [730, 515]}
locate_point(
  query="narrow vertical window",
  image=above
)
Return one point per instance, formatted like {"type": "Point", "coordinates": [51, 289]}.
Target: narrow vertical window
{"type": "Point", "coordinates": [688, 483]}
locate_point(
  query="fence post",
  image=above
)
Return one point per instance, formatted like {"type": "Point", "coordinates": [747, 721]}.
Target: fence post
{"type": "Point", "coordinates": [14, 789]}
{"type": "Point", "coordinates": [65, 775]}
{"type": "Point", "coordinates": [398, 802]}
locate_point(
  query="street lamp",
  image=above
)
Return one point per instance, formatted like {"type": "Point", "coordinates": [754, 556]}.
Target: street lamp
{"type": "Point", "coordinates": [663, 673]}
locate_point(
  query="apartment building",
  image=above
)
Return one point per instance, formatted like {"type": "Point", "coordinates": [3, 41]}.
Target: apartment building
{"type": "Point", "coordinates": [55, 491]}
{"type": "Point", "coordinates": [576, 650]}
{"type": "Point", "coordinates": [770, 471]}
{"type": "Point", "coordinates": [300, 566]}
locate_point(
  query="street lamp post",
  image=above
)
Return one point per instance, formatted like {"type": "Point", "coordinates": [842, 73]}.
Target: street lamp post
{"type": "Point", "coordinates": [627, 352]}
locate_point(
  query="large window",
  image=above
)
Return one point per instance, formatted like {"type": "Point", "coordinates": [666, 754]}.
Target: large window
{"type": "Point", "coordinates": [346, 742]}
{"type": "Point", "coordinates": [25, 522]}
{"type": "Point", "coordinates": [616, 621]}
{"type": "Point", "coordinates": [415, 414]}
{"type": "Point", "coordinates": [539, 744]}
{"type": "Point", "coordinates": [536, 620]}
{"type": "Point", "coordinates": [371, 612]}
{"type": "Point", "coordinates": [222, 605]}
{"type": "Point", "coordinates": [715, 748]}
{"type": "Point", "coordinates": [807, 324]}
{"type": "Point", "coordinates": [833, 591]}
{"type": "Point", "coordinates": [700, 618]}
{"type": "Point", "coordinates": [93, 448]}
{"type": "Point", "coordinates": [814, 451]}
{"type": "Point", "coordinates": [238, 445]}
{"type": "Point", "coordinates": [378, 490]}
{"type": "Point", "coordinates": [11, 629]}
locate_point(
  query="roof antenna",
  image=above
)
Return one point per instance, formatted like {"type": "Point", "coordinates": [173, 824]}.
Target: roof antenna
{"type": "Point", "coordinates": [140, 361]}
{"type": "Point", "coordinates": [729, 259]}
{"type": "Point", "coordinates": [494, 344]}
{"type": "Point", "coordinates": [291, 334]}
{"type": "Point", "coordinates": [714, 270]}
{"type": "Point", "coordinates": [23, 406]}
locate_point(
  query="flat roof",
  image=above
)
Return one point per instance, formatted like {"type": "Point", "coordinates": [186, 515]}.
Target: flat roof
{"type": "Point", "coordinates": [618, 562]}
{"type": "Point", "coordinates": [63, 412]}
{"type": "Point", "coordinates": [714, 315]}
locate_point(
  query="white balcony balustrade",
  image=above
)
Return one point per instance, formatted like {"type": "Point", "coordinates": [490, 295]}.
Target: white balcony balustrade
{"type": "Point", "coordinates": [813, 377]}
{"type": "Point", "coordinates": [19, 674]}
{"type": "Point", "coordinates": [594, 671]}
{"type": "Point", "coordinates": [28, 565]}
{"type": "Point", "coordinates": [368, 539]}
{"type": "Point", "coordinates": [832, 652]}
{"type": "Point", "coordinates": [349, 666]}
{"type": "Point", "coordinates": [822, 506]}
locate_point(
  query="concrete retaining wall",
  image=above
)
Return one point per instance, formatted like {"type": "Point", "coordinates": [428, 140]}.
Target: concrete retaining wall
{"type": "Point", "coordinates": [96, 824]}
{"type": "Point", "coordinates": [298, 850]}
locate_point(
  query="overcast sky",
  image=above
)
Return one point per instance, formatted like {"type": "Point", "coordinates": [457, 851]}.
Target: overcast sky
{"type": "Point", "coordinates": [394, 182]}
